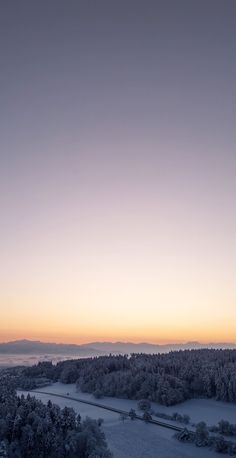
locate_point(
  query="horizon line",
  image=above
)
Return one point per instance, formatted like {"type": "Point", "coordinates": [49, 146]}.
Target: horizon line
{"type": "Point", "coordinates": [157, 343]}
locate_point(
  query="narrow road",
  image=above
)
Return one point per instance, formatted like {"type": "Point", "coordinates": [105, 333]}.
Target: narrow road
{"type": "Point", "coordinates": [112, 409]}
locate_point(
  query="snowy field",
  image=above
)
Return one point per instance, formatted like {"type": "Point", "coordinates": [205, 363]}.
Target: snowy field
{"type": "Point", "coordinates": [207, 410]}
{"type": "Point", "coordinates": [135, 439]}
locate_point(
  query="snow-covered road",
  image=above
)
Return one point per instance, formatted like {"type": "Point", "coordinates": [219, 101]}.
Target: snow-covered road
{"type": "Point", "coordinates": [128, 439]}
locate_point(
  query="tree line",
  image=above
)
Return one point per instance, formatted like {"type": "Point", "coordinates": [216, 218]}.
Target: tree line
{"type": "Point", "coordinates": [164, 378]}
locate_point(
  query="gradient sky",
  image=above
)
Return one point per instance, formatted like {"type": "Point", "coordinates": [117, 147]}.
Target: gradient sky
{"type": "Point", "coordinates": [117, 170]}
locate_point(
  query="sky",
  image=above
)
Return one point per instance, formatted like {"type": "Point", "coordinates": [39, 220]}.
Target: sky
{"type": "Point", "coordinates": [117, 170]}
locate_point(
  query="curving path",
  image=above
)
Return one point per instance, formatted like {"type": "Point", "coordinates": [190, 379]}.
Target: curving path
{"type": "Point", "coordinates": [112, 409]}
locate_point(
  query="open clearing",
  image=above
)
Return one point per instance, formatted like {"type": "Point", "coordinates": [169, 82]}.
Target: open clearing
{"type": "Point", "coordinates": [135, 439]}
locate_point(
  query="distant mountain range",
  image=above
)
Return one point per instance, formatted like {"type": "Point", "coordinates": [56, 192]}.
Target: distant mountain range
{"type": "Point", "coordinates": [29, 347]}
{"type": "Point", "coordinates": [35, 347]}
{"type": "Point", "coordinates": [143, 347]}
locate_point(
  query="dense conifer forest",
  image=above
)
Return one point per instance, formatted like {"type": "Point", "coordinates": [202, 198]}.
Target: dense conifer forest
{"type": "Point", "coordinates": [164, 378]}
{"type": "Point", "coordinates": [30, 429]}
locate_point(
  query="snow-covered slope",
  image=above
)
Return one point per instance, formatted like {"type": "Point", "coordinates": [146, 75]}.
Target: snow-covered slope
{"type": "Point", "coordinates": [135, 439]}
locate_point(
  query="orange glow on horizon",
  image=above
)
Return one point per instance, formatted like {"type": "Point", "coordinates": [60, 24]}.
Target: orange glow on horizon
{"type": "Point", "coordinates": [117, 172]}
{"type": "Point", "coordinates": [85, 337]}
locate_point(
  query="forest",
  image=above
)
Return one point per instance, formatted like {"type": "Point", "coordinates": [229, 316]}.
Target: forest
{"type": "Point", "coordinates": [27, 425]}
{"type": "Point", "coordinates": [164, 378]}
{"type": "Point", "coordinates": [30, 429]}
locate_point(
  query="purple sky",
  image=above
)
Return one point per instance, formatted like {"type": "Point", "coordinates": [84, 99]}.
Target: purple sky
{"type": "Point", "coordinates": [117, 168]}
